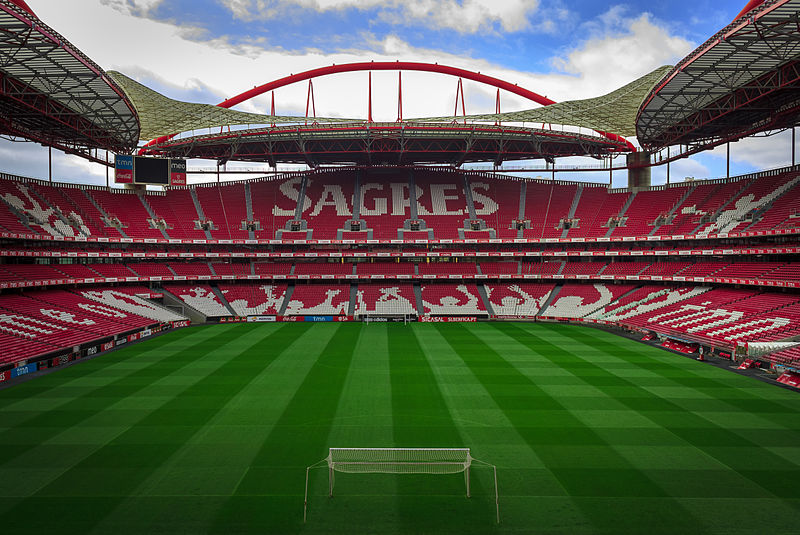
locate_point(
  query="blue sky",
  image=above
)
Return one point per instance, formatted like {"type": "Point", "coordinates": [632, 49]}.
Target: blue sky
{"type": "Point", "coordinates": [208, 50]}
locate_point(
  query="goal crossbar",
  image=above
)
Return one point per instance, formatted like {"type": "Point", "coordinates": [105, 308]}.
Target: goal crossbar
{"type": "Point", "coordinates": [399, 461]}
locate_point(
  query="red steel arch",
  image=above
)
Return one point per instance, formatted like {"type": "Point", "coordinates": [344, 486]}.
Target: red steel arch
{"type": "Point", "coordinates": [392, 66]}
{"type": "Point", "coordinates": [386, 66]}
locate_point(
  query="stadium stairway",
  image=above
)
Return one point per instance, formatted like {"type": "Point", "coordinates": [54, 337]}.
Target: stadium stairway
{"type": "Point", "coordinates": [153, 215]}
{"type": "Point", "coordinates": [550, 299]}
{"type": "Point", "coordinates": [351, 307]}
{"type": "Point", "coordinates": [418, 298]}
{"type": "Point", "coordinates": [200, 213]}
{"type": "Point", "coordinates": [103, 213]}
{"type": "Point", "coordinates": [672, 210]}
{"type": "Point", "coordinates": [248, 203]}
{"type": "Point", "coordinates": [485, 298]}
{"type": "Point", "coordinates": [573, 208]}
{"type": "Point", "coordinates": [521, 217]}
{"type": "Point", "coordinates": [173, 300]}
{"type": "Point", "coordinates": [221, 297]}
{"type": "Point", "coordinates": [621, 213]}
{"type": "Point", "coordinates": [286, 298]}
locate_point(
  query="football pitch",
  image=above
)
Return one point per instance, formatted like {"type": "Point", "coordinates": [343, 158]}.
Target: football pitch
{"type": "Point", "coordinates": [210, 430]}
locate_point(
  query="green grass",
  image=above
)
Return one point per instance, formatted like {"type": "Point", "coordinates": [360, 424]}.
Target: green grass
{"type": "Point", "coordinates": [209, 430]}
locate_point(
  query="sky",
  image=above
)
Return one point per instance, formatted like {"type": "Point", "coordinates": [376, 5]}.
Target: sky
{"type": "Point", "coordinates": [209, 50]}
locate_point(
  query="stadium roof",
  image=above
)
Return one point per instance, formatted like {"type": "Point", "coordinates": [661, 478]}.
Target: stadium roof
{"type": "Point", "coordinates": [615, 112]}
{"type": "Point", "coordinates": [51, 93]}
{"type": "Point", "coordinates": [744, 80]}
{"type": "Point", "coordinates": [386, 144]}
{"type": "Point", "coordinates": [160, 115]}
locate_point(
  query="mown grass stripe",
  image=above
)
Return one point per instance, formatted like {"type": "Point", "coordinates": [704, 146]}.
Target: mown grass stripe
{"type": "Point", "coordinates": [770, 471]}
{"type": "Point", "coordinates": [77, 410]}
{"type": "Point", "coordinates": [422, 419]}
{"type": "Point", "coordinates": [742, 392]}
{"type": "Point", "coordinates": [621, 479]}
{"type": "Point", "coordinates": [79, 371]}
{"type": "Point", "coordinates": [274, 483]}
{"type": "Point", "coordinates": [117, 468]}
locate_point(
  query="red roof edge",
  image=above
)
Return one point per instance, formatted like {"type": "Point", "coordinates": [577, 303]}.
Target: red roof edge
{"type": "Point", "coordinates": [23, 5]}
{"type": "Point", "coordinates": [751, 5]}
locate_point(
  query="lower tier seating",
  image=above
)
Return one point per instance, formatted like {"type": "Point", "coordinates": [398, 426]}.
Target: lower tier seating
{"type": "Point", "coordinates": [386, 299]}
{"type": "Point", "coordinates": [200, 297]}
{"type": "Point", "coordinates": [452, 299]}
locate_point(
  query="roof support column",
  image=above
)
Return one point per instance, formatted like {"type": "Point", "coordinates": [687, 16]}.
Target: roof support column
{"type": "Point", "coordinates": [728, 160]}
{"type": "Point", "coordinates": [639, 176]}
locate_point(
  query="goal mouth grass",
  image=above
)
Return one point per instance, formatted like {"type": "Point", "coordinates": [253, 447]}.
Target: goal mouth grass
{"type": "Point", "coordinates": [399, 461]}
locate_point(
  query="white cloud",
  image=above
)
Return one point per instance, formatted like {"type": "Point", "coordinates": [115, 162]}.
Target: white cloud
{"type": "Point", "coordinates": [465, 16]}
{"type": "Point", "coordinates": [617, 50]}
{"type": "Point", "coordinates": [622, 49]}
{"type": "Point", "coordinates": [759, 152]}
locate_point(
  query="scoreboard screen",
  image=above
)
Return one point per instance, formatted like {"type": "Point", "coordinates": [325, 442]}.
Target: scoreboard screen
{"type": "Point", "coordinates": [155, 171]}
{"type": "Point", "coordinates": [151, 171]}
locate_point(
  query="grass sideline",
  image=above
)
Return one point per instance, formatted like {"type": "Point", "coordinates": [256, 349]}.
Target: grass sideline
{"type": "Point", "coordinates": [209, 430]}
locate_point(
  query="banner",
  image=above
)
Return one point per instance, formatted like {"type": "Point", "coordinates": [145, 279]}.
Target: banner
{"type": "Point", "coordinates": [180, 323]}
{"type": "Point", "coordinates": [123, 169]}
{"type": "Point", "coordinates": [448, 319]}
{"type": "Point", "coordinates": [177, 172]}
{"type": "Point", "coordinates": [261, 319]}
{"type": "Point", "coordinates": [24, 370]}
{"type": "Point", "coordinates": [107, 346]}
{"type": "Point", "coordinates": [5, 376]}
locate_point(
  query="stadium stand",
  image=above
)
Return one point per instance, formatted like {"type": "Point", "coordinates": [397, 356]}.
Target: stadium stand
{"type": "Point", "coordinates": [380, 299]}
{"type": "Point", "coordinates": [254, 299]}
{"type": "Point", "coordinates": [523, 299]}
{"type": "Point", "coordinates": [324, 300]}
{"type": "Point", "coordinates": [452, 299]}
{"type": "Point", "coordinates": [200, 297]}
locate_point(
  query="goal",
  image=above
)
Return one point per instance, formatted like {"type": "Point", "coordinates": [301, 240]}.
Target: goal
{"type": "Point", "coordinates": [399, 461]}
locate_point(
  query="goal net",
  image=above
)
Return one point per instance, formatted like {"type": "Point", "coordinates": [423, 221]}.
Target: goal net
{"type": "Point", "coordinates": [399, 461]}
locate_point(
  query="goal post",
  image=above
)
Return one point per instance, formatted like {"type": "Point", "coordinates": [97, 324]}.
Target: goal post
{"type": "Point", "coordinates": [399, 461]}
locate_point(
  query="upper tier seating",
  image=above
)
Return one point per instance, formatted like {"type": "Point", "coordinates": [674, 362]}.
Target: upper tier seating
{"type": "Point", "coordinates": [641, 216]}
{"type": "Point", "coordinates": [386, 299]}
{"type": "Point", "coordinates": [523, 299]}
{"type": "Point", "coordinates": [765, 203]}
{"type": "Point", "coordinates": [497, 202]}
{"type": "Point", "coordinates": [74, 206]}
{"type": "Point", "coordinates": [323, 268]}
{"type": "Point", "coordinates": [384, 268]}
{"type": "Point", "coordinates": [254, 299]}
{"type": "Point", "coordinates": [330, 299]}
{"type": "Point", "coordinates": [755, 197]}
{"type": "Point", "coordinates": [441, 203]}
{"type": "Point", "coordinates": [500, 268]}
{"type": "Point", "coordinates": [450, 299]}
{"type": "Point", "coordinates": [331, 204]}
{"type": "Point", "coordinates": [595, 209]}
{"type": "Point", "coordinates": [448, 268]}
{"type": "Point", "coordinates": [126, 206]}
{"type": "Point", "coordinates": [232, 268]}
{"type": "Point", "coordinates": [178, 212]}
{"type": "Point", "coordinates": [225, 211]}
{"type": "Point", "coordinates": [274, 203]}
{"type": "Point", "coordinates": [191, 269]}
{"type": "Point", "coordinates": [385, 203]}
{"type": "Point", "coordinates": [546, 204]}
